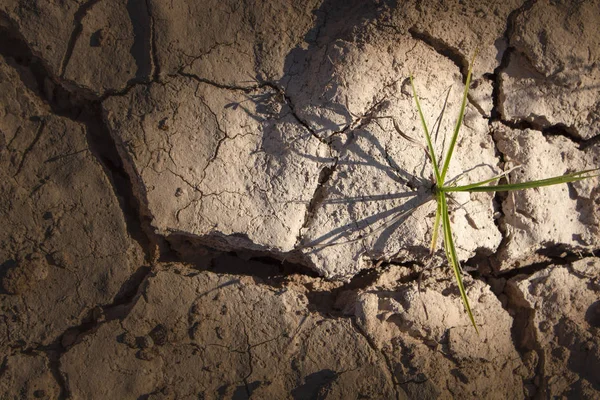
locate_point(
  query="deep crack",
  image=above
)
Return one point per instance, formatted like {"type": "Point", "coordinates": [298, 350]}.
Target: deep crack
{"type": "Point", "coordinates": [443, 48]}
{"type": "Point", "coordinates": [31, 145]}
{"type": "Point", "coordinates": [142, 48]}
{"type": "Point", "coordinates": [317, 198]}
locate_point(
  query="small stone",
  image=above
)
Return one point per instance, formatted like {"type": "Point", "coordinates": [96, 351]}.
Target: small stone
{"type": "Point", "coordinates": [219, 332]}
{"type": "Point", "coordinates": [545, 326]}
{"type": "Point", "coordinates": [61, 259]}
{"type": "Point", "coordinates": [162, 125]}
{"type": "Point", "coordinates": [146, 355]}
{"type": "Point", "coordinates": [98, 314]}
{"type": "Point", "coordinates": [159, 334]}
{"type": "Point", "coordinates": [128, 339]}
{"type": "Point", "coordinates": [145, 342]}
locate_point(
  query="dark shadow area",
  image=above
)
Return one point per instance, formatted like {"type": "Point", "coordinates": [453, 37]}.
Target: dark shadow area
{"type": "Point", "coordinates": [398, 216]}
{"type": "Point", "coordinates": [330, 303]}
{"type": "Point", "coordinates": [75, 33]}
{"type": "Point", "coordinates": [204, 254]}
{"type": "Point", "coordinates": [142, 41]}
{"type": "Point", "coordinates": [264, 267]}
{"type": "Point", "coordinates": [316, 386]}
{"type": "Point", "coordinates": [6, 266]}
{"type": "Point", "coordinates": [244, 392]}
{"type": "Point", "coordinates": [459, 375]}
{"type": "Point", "coordinates": [592, 314]}
{"type": "Point", "coordinates": [130, 287]}
{"type": "Point", "coordinates": [561, 254]}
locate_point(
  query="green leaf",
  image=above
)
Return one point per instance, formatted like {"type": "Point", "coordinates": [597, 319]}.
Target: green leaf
{"type": "Point", "coordinates": [405, 136]}
{"type": "Point", "coordinates": [453, 182]}
{"type": "Point", "coordinates": [452, 257]}
{"type": "Point", "coordinates": [458, 123]}
{"type": "Point", "coordinates": [438, 123]}
{"type": "Point", "coordinates": [477, 187]}
{"type": "Point", "coordinates": [427, 136]}
{"type": "Point", "coordinates": [436, 227]}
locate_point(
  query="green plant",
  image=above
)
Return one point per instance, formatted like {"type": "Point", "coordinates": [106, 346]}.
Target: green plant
{"type": "Point", "coordinates": [441, 189]}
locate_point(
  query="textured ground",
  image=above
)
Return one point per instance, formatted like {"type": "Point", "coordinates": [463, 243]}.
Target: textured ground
{"type": "Point", "coordinates": [210, 200]}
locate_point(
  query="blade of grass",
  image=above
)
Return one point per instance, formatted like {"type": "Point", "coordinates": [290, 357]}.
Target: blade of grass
{"type": "Point", "coordinates": [436, 227]}
{"type": "Point", "coordinates": [427, 136]}
{"type": "Point", "coordinates": [405, 136]}
{"type": "Point", "coordinates": [556, 180]}
{"type": "Point", "coordinates": [458, 122]}
{"type": "Point", "coordinates": [452, 257]}
{"type": "Point", "coordinates": [454, 181]}
{"type": "Point", "coordinates": [440, 119]}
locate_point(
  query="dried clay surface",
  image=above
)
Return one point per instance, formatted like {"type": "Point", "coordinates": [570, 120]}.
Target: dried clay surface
{"type": "Point", "coordinates": [64, 244]}
{"type": "Point", "coordinates": [231, 200]}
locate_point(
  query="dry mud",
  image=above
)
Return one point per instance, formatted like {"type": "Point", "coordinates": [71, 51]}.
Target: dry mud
{"type": "Point", "coordinates": [210, 200]}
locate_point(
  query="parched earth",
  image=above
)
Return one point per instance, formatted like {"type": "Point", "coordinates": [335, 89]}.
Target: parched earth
{"type": "Point", "coordinates": [220, 200]}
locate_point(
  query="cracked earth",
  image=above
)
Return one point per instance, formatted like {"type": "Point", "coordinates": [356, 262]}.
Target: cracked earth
{"type": "Point", "coordinates": [220, 200]}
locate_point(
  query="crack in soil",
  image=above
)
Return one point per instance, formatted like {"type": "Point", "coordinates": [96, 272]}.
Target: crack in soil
{"type": "Point", "coordinates": [444, 49]}
{"type": "Point", "coordinates": [525, 339]}
{"type": "Point", "coordinates": [3, 366]}
{"type": "Point", "coordinates": [249, 89]}
{"type": "Point", "coordinates": [76, 106]}
{"type": "Point", "coordinates": [317, 199]}
{"type": "Point", "coordinates": [31, 145]}
{"type": "Point", "coordinates": [61, 379]}
{"type": "Point", "coordinates": [558, 129]}
{"type": "Point", "coordinates": [388, 363]}
{"type": "Point", "coordinates": [118, 310]}
{"type": "Point", "coordinates": [70, 103]}
{"type": "Point", "coordinates": [153, 48]}
{"type": "Point", "coordinates": [142, 48]}
{"type": "Point", "coordinates": [290, 104]}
